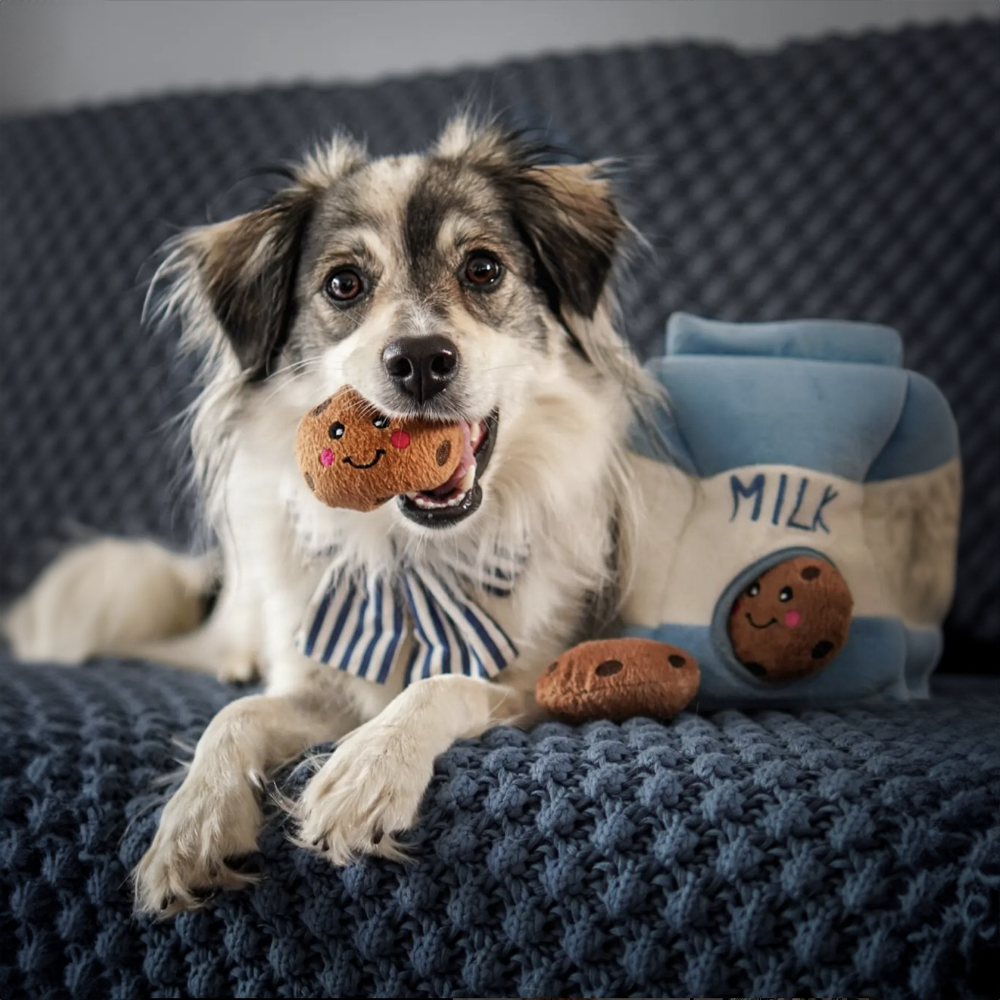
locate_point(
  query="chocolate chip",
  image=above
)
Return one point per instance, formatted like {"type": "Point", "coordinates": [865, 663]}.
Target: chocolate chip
{"type": "Point", "coordinates": [551, 668]}
{"type": "Point", "coordinates": [608, 668]}
{"type": "Point", "coordinates": [317, 410]}
{"type": "Point", "coordinates": [810, 572]}
{"type": "Point", "coordinates": [821, 649]}
{"type": "Point", "coordinates": [310, 482]}
{"type": "Point", "coordinates": [676, 661]}
{"type": "Point", "coordinates": [757, 669]}
{"type": "Point", "coordinates": [443, 452]}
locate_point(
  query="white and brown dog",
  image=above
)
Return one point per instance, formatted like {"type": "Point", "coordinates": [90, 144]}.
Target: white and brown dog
{"type": "Point", "coordinates": [469, 284]}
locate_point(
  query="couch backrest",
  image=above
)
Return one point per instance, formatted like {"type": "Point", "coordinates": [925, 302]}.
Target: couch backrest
{"type": "Point", "coordinates": [847, 178]}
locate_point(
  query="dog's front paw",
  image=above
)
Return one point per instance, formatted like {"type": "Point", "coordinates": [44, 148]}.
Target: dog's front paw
{"type": "Point", "coordinates": [206, 825]}
{"type": "Point", "coordinates": [369, 790]}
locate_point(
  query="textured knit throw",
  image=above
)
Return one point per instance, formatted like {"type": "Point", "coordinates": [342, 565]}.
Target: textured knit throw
{"type": "Point", "coordinates": [357, 621]}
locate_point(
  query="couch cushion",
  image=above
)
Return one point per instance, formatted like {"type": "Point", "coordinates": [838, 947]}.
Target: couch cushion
{"type": "Point", "coordinates": [760, 853]}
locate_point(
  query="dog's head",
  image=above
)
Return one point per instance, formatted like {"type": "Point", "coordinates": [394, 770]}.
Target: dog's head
{"type": "Point", "coordinates": [467, 285]}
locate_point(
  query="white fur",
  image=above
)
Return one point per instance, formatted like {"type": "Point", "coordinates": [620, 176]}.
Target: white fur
{"type": "Point", "coordinates": [79, 607]}
{"type": "Point", "coordinates": [557, 478]}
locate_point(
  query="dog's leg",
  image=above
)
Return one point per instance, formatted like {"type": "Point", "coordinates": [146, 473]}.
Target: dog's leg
{"type": "Point", "coordinates": [215, 815]}
{"type": "Point", "coordinates": [226, 644]}
{"type": "Point", "coordinates": [371, 787]}
{"type": "Point", "coordinates": [202, 650]}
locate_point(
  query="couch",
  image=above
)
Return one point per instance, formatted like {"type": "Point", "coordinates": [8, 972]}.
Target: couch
{"type": "Point", "coordinates": [758, 852]}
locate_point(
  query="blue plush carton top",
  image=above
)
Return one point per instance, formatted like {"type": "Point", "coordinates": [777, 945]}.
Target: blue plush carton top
{"type": "Point", "coordinates": [821, 394]}
{"type": "Point", "coordinates": [808, 339]}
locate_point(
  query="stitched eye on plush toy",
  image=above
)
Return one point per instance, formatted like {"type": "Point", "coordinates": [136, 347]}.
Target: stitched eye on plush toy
{"type": "Point", "coordinates": [785, 594]}
{"type": "Point", "coordinates": [753, 590]}
{"type": "Point", "coordinates": [381, 422]}
{"type": "Point", "coordinates": [337, 431]}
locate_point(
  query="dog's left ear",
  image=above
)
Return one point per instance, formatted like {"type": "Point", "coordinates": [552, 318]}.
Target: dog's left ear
{"type": "Point", "coordinates": [569, 218]}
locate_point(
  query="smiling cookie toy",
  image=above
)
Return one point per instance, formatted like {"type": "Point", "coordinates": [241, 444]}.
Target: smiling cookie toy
{"type": "Point", "coordinates": [617, 679]}
{"type": "Point", "coordinates": [353, 456]}
{"type": "Point", "coordinates": [792, 620]}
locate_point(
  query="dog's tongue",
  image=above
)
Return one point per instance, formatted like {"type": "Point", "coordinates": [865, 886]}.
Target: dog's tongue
{"type": "Point", "coordinates": [464, 462]}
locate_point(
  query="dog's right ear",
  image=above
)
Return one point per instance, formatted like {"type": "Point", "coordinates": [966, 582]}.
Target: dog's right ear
{"type": "Point", "coordinates": [245, 269]}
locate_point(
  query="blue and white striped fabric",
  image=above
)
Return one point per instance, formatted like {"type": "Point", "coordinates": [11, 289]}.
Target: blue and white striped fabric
{"type": "Point", "coordinates": [356, 623]}
{"type": "Point", "coordinates": [498, 576]}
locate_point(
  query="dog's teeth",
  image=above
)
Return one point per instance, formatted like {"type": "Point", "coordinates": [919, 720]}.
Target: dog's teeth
{"type": "Point", "coordinates": [425, 503]}
{"type": "Point", "coordinates": [469, 479]}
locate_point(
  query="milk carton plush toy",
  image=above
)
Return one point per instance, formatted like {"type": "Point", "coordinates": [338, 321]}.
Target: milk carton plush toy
{"type": "Point", "coordinates": [800, 540]}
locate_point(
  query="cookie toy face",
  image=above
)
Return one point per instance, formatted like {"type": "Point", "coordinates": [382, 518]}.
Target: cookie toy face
{"type": "Point", "coordinates": [792, 620]}
{"type": "Point", "coordinates": [617, 679]}
{"type": "Point", "coordinates": [353, 456]}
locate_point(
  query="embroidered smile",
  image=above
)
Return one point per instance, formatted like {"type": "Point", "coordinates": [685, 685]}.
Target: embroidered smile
{"type": "Point", "coordinates": [773, 621]}
{"type": "Point", "coordinates": [379, 452]}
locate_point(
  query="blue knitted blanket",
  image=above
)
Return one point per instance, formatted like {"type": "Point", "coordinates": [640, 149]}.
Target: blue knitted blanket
{"type": "Point", "coordinates": [763, 854]}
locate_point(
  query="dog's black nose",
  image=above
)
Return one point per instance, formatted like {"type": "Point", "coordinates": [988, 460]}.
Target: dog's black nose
{"type": "Point", "coordinates": [421, 366]}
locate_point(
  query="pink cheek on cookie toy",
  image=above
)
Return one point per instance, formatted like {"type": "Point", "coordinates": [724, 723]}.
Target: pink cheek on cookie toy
{"type": "Point", "coordinates": [326, 457]}
{"type": "Point", "coordinates": [400, 439]}
{"type": "Point", "coordinates": [792, 618]}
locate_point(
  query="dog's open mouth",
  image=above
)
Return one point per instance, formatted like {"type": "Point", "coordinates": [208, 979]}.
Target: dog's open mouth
{"type": "Point", "coordinates": [456, 499]}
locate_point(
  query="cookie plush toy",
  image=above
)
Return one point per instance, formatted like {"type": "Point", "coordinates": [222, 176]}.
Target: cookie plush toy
{"type": "Point", "coordinates": [792, 620]}
{"type": "Point", "coordinates": [617, 679]}
{"type": "Point", "coordinates": [353, 456]}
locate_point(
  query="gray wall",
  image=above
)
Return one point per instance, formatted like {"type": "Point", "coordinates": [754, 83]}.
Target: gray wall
{"type": "Point", "coordinates": [55, 53]}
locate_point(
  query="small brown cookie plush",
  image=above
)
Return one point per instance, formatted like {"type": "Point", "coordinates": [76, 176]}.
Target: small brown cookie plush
{"type": "Point", "coordinates": [353, 456]}
{"type": "Point", "coordinates": [792, 620]}
{"type": "Point", "coordinates": [617, 679]}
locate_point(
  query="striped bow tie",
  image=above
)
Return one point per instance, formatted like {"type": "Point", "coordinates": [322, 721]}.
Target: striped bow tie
{"type": "Point", "coordinates": [357, 621]}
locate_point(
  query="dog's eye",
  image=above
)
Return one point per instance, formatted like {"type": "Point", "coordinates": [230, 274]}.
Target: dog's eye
{"type": "Point", "coordinates": [381, 423]}
{"type": "Point", "coordinates": [482, 269]}
{"type": "Point", "coordinates": [345, 284]}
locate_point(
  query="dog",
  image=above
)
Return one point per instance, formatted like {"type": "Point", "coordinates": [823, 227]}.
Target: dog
{"type": "Point", "coordinates": [471, 284]}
